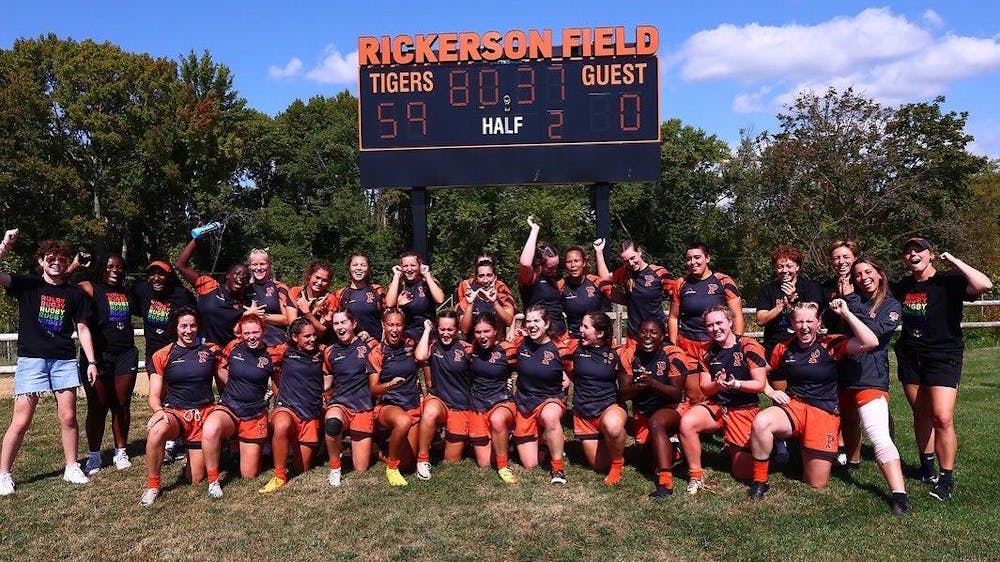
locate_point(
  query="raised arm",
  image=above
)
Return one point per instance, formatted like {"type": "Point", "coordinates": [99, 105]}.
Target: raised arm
{"type": "Point", "coordinates": [979, 283]}
{"type": "Point", "coordinates": [437, 294]}
{"type": "Point", "coordinates": [392, 294]}
{"type": "Point", "coordinates": [6, 244]}
{"type": "Point", "coordinates": [864, 338]}
{"type": "Point", "coordinates": [183, 262]}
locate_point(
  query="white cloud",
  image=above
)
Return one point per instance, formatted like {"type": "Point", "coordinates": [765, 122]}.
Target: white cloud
{"type": "Point", "coordinates": [881, 54]}
{"type": "Point", "coordinates": [290, 70]}
{"type": "Point", "coordinates": [335, 68]}
{"type": "Point", "coordinates": [932, 18]}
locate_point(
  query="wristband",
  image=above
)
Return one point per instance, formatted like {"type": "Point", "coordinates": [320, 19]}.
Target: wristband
{"type": "Point", "coordinates": [94, 363]}
{"type": "Point", "coordinates": [737, 385]}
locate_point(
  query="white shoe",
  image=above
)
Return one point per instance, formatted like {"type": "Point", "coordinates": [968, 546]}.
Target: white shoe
{"type": "Point", "coordinates": [6, 484]}
{"type": "Point", "coordinates": [74, 475]}
{"type": "Point", "coordinates": [424, 470]}
{"type": "Point", "coordinates": [334, 478]}
{"type": "Point", "coordinates": [694, 485]}
{"type": "Point", "coordinates": [149, 496]}
{"type": "Point", "coordinates": [842, 459]}
{"type": "Point", "coordinates": [121, 459]}
{"type": "Point", "coordinates": [215, 490]}
{"type": "Point", "coordinates": [93, 465]}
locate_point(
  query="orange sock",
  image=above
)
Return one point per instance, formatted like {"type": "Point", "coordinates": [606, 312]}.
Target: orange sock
{"type": "Point", "coordinates": [665, 478]}
{"type": "Point", "coordinates": [696, 473]}
{"type": "Point", "coordinates": [153, 482]}
{"type": "Point", "coordinates": [760, 470]}
{"type": "Point", "coordinates": [281, 473]}
{"type": "Point", "coordinates": [424, 457]}
{"type": "Point", "coordinates": [501, 461]}
{"type": "Point", "coordinates": [392, 463]}
{"type": "Point", "coordinates": [335, 462]}
{"type": "Point", "coordinates": [615, 474]}
{"type": "Point", "coordinates": [213, 474]}
{"type": "Point", "coordinates": [558, 464]}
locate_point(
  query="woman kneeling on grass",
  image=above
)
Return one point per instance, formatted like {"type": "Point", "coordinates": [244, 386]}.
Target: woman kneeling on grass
{"type": "Point", "coordinates": [492, 418]}
{"type": "Point", "coordinates": [245, 372]}
{"type": "Point", "coordinates": [809, 410]}
{"type": "Point", "coordinates": [298, 407]}
{"type": "Point", "coordinates": [180, 395]}
{"type": "Point", "coordinates": [733, 372]}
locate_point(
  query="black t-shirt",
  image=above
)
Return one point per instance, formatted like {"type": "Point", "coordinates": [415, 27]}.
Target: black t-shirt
{"type": "Point", "coordinates": [871, 369]}
{"type": "Point", "coordinates": [451, 380]}
{"type": "Point", "coordinates": [779, 329]}
{"type": "Point", "coordinates": [595, 379]}
{"type": "Point", "coordinates": [250, 374]}
{"type": "Point", "coordinates": [47, 316]}
{"type": "Point", "coordinates": [111, 319]}
{"type": "Point", "coordinates": [391, 361]}
{"type": "Point", "coordinates": [154, 307]}
{"type": "Point", "coordinates": [932, 312]}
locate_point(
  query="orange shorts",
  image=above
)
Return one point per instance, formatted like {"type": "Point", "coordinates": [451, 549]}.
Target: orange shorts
{"type": "Point", "coordinates": [253, 430]}
{"type": "Point", "coordinates": [640, 425]}
{"type": "Point", "coordinates": [816, 429]}
{"type": "Point", "coordinates": [737, 423]}
{"type": "Point", "coordinates": [526, 425]}
{"type": "Point", "coordinates": [854, 399]}
{"type": "Point", "coordinates": [691, 347]}
{"type": "Point", "coordinates": [360, 425]}
{"type": "Point", "coordinates": [414, 413]}
{"type": "Point", "coordinates": [190, 421]}
{"type": "Point", "coordinates": [479, 422]}
{"type": "Point", "coordinates": [585, 428]}
{"type": "Point", "coordinates": [456, 424]}
{"type": "Point", "coordinates": [306, 431]}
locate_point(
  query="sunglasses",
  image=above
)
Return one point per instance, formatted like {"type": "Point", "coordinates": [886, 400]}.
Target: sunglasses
{"type": "Point", "coordinates": [52, 258]}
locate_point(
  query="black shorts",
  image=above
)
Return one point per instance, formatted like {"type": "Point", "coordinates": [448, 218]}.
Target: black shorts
{"type": "Point", "coordinates": [929, 368]}
{"type": "Point", "coordinates": [113, 364]}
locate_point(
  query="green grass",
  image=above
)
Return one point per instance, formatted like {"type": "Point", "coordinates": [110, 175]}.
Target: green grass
{"type": "Point", "coordinates": [468, 513]}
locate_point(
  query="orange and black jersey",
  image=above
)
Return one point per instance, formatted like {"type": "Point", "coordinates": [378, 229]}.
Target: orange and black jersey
{"type": "Point", "coordinates": [695, 296]}
{"type": "Point", "coordinates": [543, 291]}
{"type": "Point", "coordinates": [594, 371]}
{"type": "Point", "coordinates": [419, 309]}
{"type": "Point", "coordinates": [871, 369]}
{"type": "Point", "coordinates": [647, 289]}
{"type": "Point", "coordinates": [187, 374]}
{"type": "Point", "coordinates": [367, 304]}
{"type": "Point", "coordinates": [391, 361]}
{"type": "Point", "coordinates": [482, 304]}
{"type": "Point", "coordinates": [579, 298]}
{"type": "Point", "coordinates": [662, 365]}
{"type": "Point", "coordinates": [737, 361]}
{"type": "Point", "coordinates": [348, 363]}
{"type": "Point", "coordinates": [220, 310]}
{"type": "Point", "coordinates": [491, 369]}
{"type": "Point", "coordinates": [300, 380]}
{"type": "Point", "coordinates": [539, 373]}
{"type": "Point", "coordinates": [250, 372]}
{"type": "Point", "coordinates": [451, 380]}
{"type": "Point", "coordinates": [811, 371]}
{"type": "Point", "coordinates": [272, 297]}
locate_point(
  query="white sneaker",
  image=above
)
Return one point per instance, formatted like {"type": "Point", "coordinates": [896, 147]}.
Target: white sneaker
{"type": "Point", "coordinates": [74, 475]}
{"type": "Point", "coordinates": [93, 465]}
{"type": "Point", "coordinates": [842, 459]}
{"type": "Point", "coordinates": [215, 490]}
{"type": "Point", "coordinates": [168, 452]}
{"type": "Point", "coordinates": [6, 484]}
{"type": "Point", "coordinates": [694, 485]}
{"type": "Point", "coordinates": [424, 470]}
{"type": "Point", "coordinates": [149, 496]}
{"type": "Point", "coordinates": [334, 478]}
{"type": "Point", "coordinates": [121, 459]}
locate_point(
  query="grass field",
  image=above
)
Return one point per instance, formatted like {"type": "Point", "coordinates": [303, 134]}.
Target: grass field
{"type": "Point", "coordinates": [466, 513]}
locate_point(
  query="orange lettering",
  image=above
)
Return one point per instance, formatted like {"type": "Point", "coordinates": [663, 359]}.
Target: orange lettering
{"type": "Point", "coordinates": [448, 49]}
{"type": "Point", "coordinates": [399, 55]}
{"type": "Point", "coordinates": [468, 46]}
{"type": "Point", "coordinates": [647, 40]}
{"type": "Point", "coordinates": [368, 51]}
{"type": "Point", "coordinates": [604, 42]}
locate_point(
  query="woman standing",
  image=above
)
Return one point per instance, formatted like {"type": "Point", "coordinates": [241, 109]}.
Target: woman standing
{"type": "Point", "coordinates": [581, 291]}
{"type": "Point", "coordinates": [269, 298]}
{"type": "Point", "coordinates": [645, 286]}
{"type": "Point", "coordinates": [154, 298]}
{"type": "Point", "coordinates": [842, 254]}
{"type": "Point", "coordinates": [484, 293]}
{"type": "Point", "coordinates": [415, 291]}
{"type": "Point", "coordinates": [929, 353]}
{"type": "Point", "coordinates": [365, 299]}
{"type": "Point", "coordinates": [696, 292]}
{"type": "Point", "coordinates": [220, 305]}
{"type": "Point", "coordinates": [312, 299]}
{"type": "Point", "coordinates": [117, 362]}
{"type": "Point", "coordinates": [537, 279]}
{"type": "Point", "coordinates": [180, 395]}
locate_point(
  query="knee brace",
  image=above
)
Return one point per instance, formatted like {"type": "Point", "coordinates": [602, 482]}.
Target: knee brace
{"type": "Point", "coordinates": [334, 427]}
{"type": "Point", "coordinates": [875, 421]}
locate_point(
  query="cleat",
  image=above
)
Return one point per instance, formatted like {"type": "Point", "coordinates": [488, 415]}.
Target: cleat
{"type": "Point", "coordinates": [272, 486]}
{"type": "Point", "coordinates": [424, 470]}
{"type": "Point", "coordinates": [842, 459]}
{"type": "Point", "coordinates": [121, 459]}
{"type": "Point", "coordinates": [6, 484]}
{"type": "Point", "coordinates": [93, 465]}
{"type": "Point", "coordinates": [678, 452]}
{"type": "Point", "coordinates": [506, 475]}
{"type": "Point", "coordinates": [694, 486]}
{"type": "Point", "coordinates": [927, 474]}
{"type": "Point", "coordinates": [757, 490]}
{"type": "Point", "coordinates": [395, 478]}
{"type": "Point", "coordinates": [854, 465]}
{"type": "Point", "coordinates": [780, 452]}
{"type": "Point", "coordinates": [334, 477]}
{"type": "Point", "coordinates": [557, 477]}
{"type": "Point", "coordinates": [215, 490]}
{"type": "Point", "coordinates": [661, 492]}
{"type": "Point", "coordinates": [899, 504]}
{"type": "Point", "coordinates": [74, 475]}
{"type": "Point", "coordinates": [149, 496]}
{"type": "Point", "coordinates": [943, 489]}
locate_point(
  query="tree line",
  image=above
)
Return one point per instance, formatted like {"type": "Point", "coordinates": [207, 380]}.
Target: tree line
{"type": "Point", "coordinates": [124, 152]}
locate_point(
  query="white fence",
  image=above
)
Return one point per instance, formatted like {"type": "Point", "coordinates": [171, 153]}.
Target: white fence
{"type": "Point", "coordinates": [618, 315]}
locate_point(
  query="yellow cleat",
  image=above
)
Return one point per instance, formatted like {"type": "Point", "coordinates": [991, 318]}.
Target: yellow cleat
{"type": "Point", "coordinates": [395, 478]}
{"type": "Point", "coordinates": [507, 476]}
{"type": "Point", "coordinates": [272, 486]}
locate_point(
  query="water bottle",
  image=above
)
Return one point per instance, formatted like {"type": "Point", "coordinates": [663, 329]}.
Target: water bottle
{"type": "Point", "coordinates": [205, 229]}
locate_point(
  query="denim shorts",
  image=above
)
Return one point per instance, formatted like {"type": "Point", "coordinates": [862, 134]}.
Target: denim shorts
{"type": "Point", "coordinates": [35, 375]}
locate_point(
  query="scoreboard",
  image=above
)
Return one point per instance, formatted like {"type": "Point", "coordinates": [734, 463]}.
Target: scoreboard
{"type": "Point", "coordinates": [591, 116]}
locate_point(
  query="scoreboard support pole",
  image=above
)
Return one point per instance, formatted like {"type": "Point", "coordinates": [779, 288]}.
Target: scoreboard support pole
{"type": "Point", "coordinates": [602, 204]}
{"type": "Point", "coordinates": [418, 205]}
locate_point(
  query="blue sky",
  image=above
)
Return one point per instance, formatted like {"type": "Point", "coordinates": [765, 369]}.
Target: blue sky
{"type": "Point", "coordinates": [725, 65]}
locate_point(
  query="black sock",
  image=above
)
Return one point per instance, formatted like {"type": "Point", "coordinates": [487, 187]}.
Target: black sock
{"type": "Point", "coordinates": [927, 459]}
{"type": "Point", "coordinates": [899, 495]}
